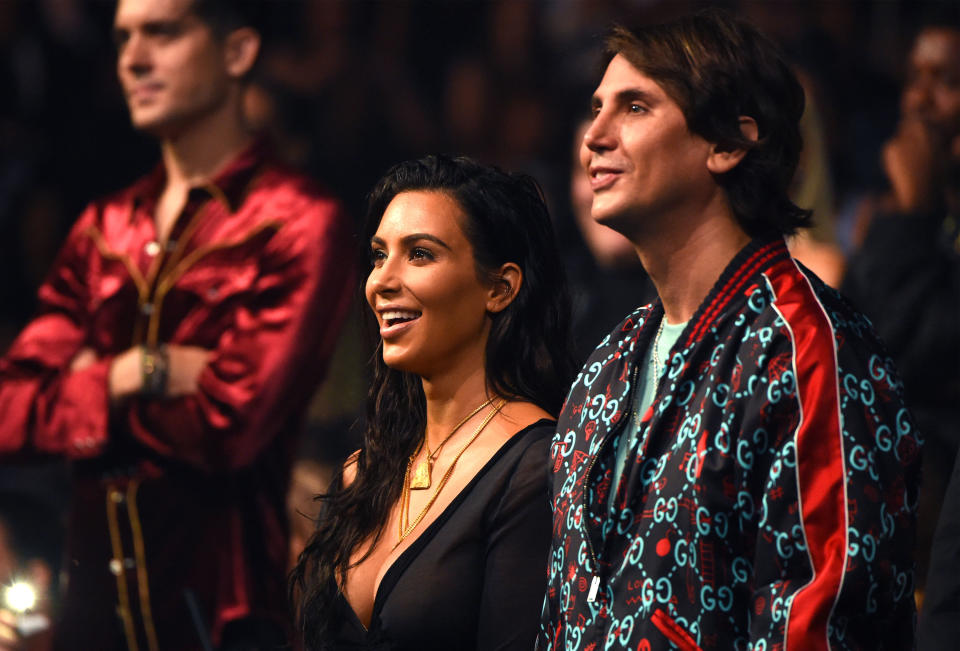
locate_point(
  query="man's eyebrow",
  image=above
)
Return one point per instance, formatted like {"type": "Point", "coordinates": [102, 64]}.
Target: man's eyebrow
{"type": "Point", "coordinates": [626, 95]}
{"type": "Point", "coordinates": [413, 237]}
{"type": "Point", "coordinates": [164, 24]}
{"type": "Point", "coordinates": [634, 95]}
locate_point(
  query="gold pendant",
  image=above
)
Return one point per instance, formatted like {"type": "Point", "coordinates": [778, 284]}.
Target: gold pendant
{"type": "Point", "coordinates": [421, 476]}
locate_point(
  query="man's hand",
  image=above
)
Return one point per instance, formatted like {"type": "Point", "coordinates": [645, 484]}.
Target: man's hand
{"type": "Point", "coordinates": [86, 357]}
{"type": "Point", "coordinates": [10, 639]}
{"type": "Point", "coordinates": [126, 378]}
{"type": "Point", "coordinates": [185, 363]}
{"type": "Point", "coordinates": [914, 160]}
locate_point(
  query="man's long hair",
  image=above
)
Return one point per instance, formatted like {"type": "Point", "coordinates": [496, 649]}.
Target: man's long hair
{"type": "Point", "coordinates": [527, 357]}
{"type": "Point", "coordinates": [718, 68]}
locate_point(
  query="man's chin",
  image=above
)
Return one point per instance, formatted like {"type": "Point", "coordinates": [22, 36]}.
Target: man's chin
{"type": "Point", "coordinates": [610, 217]}
{"type": "Point", "coordinates": [159, 127]}
{"type": "Point", "coordinates": [147, 122]}
{"type": "Point", "coordinates": [634, 226]}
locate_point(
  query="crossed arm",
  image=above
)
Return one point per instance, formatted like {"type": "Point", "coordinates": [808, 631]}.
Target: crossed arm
{"type": "Point", "coordinates": [222, 405]}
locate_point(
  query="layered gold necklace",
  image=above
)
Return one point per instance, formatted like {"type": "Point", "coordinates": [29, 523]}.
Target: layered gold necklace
{"type": "Point", "coordinates": [423, 475]}
{"type": "Point", "coordinates": [405, 526]}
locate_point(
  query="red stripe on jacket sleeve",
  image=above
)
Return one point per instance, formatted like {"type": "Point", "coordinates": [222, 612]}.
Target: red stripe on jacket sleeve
{"type": "Point", "coordinates": [819, 455]}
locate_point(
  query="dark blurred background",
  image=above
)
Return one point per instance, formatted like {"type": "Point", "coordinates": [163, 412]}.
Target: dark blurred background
{"type": "Point", "coordinates": [349, 87]}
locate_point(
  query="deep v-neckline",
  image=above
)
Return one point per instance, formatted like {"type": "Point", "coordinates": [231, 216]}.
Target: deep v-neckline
{"type": "Point", "coordinates": [396, 568]}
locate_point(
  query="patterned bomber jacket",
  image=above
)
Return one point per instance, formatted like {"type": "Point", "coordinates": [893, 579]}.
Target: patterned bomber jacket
{"type": "Point", "coordinates": [769, 501]}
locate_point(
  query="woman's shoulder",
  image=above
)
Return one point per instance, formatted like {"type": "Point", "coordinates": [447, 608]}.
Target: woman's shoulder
{"type": "Point", "coordinates": [521, 478]}
{"type": "Point", "coordinates": [533, 441]}
{"type": "Point", "coordinates": [529, 422]}
{"type": "Point", "coordinates": [520, 414]}
{"type": "Point", "coordinates": [526, 454]}
{"type": "Point", "coordinates": [537, 433]}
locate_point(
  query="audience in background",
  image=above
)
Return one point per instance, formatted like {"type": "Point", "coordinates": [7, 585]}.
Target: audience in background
{"type": "Point", "coordinates": [906, 275]}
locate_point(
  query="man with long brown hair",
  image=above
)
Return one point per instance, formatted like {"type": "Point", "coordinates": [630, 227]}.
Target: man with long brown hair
{"type": "Point", "coordinates": [734, 467]}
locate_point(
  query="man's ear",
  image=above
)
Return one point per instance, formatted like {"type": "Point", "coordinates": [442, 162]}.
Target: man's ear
{"type": "Point", "coordinates": [721, 161]}
{"type": "Point", "coordinates": [240, 51]}
{"type": "Point", "coordinates": [506, 284]}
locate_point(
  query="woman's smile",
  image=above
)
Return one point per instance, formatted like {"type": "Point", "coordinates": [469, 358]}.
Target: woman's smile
{"type": "Point", "coordinates": [394, 322]}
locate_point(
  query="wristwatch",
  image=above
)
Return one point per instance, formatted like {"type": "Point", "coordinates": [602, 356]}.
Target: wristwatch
{"type": "Point", "coordinates": [154, 365]}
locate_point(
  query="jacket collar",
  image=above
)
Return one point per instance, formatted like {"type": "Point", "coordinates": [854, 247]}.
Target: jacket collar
{"type": "Point", "coordinates": [760, 253]}
{"type": "Point", "coordinates": [230, 185]}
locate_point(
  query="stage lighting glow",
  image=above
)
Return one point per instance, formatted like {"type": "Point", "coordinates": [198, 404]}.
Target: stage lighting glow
{"type": "Point", "coordinates": [20, 597]}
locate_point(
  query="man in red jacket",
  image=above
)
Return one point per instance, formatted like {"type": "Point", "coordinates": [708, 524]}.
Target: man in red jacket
{"type": "Point", "coordinates": [180, 334]}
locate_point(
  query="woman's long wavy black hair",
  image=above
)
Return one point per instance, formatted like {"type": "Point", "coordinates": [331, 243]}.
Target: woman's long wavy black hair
{"type": "Point", "coordinates": [528, 357]}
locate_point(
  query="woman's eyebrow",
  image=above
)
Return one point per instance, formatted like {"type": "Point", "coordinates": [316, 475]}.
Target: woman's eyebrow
{"type": "Point", "coordinates": [414, 237]}
{"type": "Point", "coordinates": [407, 240]}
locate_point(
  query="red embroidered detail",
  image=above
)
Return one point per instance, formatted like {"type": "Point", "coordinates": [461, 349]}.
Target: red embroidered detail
{"type": "Point", "coordinates": [673, 631]}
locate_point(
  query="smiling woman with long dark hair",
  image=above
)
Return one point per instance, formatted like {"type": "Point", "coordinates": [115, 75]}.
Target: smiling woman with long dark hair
{"type": "Point", "coordinates": [435, 535]}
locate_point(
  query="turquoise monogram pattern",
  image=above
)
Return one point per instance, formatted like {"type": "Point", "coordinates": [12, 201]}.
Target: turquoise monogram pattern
{"type": "Point", "coordinates": [769, 500]}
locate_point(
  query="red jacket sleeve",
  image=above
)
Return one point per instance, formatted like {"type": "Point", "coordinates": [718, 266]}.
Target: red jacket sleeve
{"type": "Point", "coordinates": [43, 406]}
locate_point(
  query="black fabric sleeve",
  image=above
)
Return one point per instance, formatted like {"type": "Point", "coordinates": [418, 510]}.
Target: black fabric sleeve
{"type": "Point", "coordinates": [518, 543]}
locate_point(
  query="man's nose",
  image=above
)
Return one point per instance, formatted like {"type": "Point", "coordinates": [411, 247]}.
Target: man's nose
{"type": "Point", "coordinates": [600, 135]}
{"type": "Point", "coordinates": [134, 55]}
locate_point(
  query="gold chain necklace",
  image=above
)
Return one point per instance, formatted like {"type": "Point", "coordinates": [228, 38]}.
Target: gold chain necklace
{"type": "Point", "coordinates": [423, 475]}
{"type": "Point", "coordinates": [656, 374]}
{"type": "Point", "coordinates": [656, 357]}
{"type": "Point", "coordinates": [404, 525]}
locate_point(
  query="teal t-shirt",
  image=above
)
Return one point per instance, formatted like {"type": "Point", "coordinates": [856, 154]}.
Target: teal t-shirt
{"type": "Point", "coordinates": [646, 384]}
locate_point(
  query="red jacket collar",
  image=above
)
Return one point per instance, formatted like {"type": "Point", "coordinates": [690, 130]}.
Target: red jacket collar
{"type": "Point", "coordinates": [229, 185]}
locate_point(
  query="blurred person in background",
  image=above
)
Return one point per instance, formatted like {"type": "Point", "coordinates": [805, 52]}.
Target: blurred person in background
{"type": "Point", "coordinates": [793, 27]}
{"type": "Point", "coordinates": [812, 188]}
{"type": "Point", "coordinates": [179, 336]}
{"type": "Point", "coordinates": [906, 278]}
